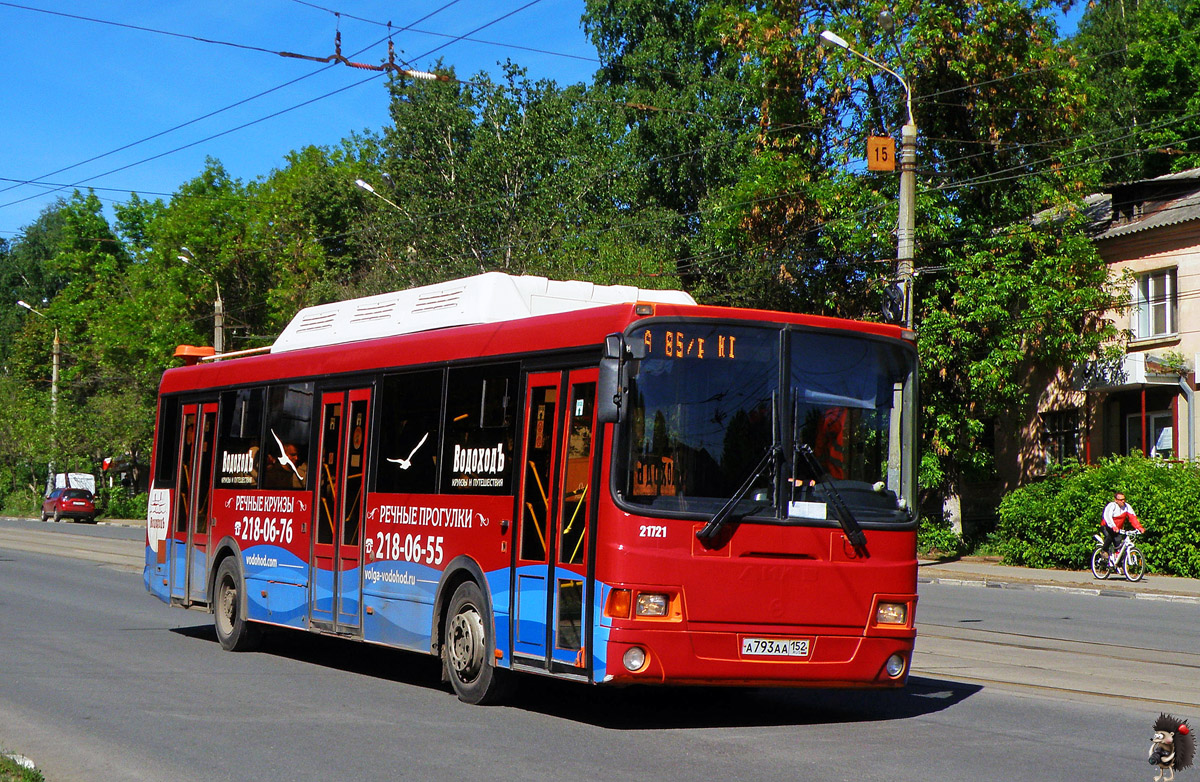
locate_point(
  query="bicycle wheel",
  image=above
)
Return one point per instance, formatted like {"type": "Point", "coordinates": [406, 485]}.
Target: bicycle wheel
{"type": "Point", "coordinates": [1135, 565]}
{"type": "Point", "coordinates": [1100, 566]}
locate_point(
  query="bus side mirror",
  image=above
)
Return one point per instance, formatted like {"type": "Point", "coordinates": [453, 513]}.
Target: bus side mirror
{"type": "Point", "coordinates": [609, 396]}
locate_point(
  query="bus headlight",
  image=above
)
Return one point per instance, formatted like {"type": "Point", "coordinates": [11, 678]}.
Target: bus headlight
{"type": "Point", "coordinates": [634, 659]}
{"type": "Point", "coordinates": [651, 604]}
{"type": "Point", "coordinates": [891, 614]}
{"type": "Point", "coordinates": [894, 666]}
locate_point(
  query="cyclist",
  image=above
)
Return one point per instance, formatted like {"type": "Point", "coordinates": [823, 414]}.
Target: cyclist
{"type": "Point", "coordinates": [1116, 513]}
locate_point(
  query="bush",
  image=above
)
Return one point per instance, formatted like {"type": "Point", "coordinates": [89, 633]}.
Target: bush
{"type": "Point", "coordinates": [937, 538]}
{"type": "Point", "coordinates": [117, 503]}
{"type": "Point", "coordinates": [23, 502]}
{"type": "Point", "coordinates": [1051, 523]}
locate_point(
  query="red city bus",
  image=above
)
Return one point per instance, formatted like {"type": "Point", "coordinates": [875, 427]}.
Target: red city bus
{"type": "Point", "coordinates": [597, 483]}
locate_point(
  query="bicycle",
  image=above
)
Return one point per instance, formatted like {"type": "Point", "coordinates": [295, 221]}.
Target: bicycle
{"type": "Point", "coordinates": [1127, 559]}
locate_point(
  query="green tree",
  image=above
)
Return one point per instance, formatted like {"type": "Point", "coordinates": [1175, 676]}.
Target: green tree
{"type": "Point", "coordinates": [512, 176]}
{"type": "Point", "coordinates": [689, 125]}
{"type": "Point", "coordinates": [1142, 62]}
{"type": "Point", "coordinates": [1000, 295]}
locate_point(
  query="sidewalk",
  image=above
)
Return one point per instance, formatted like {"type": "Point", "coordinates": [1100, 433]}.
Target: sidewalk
{"type": "Point", "coordinates": [984, 572]}
{"type": "Point", "coordinates": [987, 572]}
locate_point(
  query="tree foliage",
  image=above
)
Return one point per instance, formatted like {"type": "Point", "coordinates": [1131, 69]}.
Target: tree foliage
{"type": "Point", "coordinates": [718, 149]}
{"type": "Point", "coordinates": [1142, 63]}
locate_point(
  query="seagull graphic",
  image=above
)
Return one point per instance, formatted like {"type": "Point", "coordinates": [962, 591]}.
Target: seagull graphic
{"type": "Point", "coordinates": [284, 458]}
{"type": "Point", "coordinates": [406, 463]}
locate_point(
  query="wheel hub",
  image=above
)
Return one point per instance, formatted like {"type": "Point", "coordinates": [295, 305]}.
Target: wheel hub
{"type": "Point", "coordinates": [228, 606]}
{"type": "Point", "coordinates": [466, 644]}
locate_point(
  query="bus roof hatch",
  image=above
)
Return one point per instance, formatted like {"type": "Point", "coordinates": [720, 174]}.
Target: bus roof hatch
{"type": "Point", "coordinates": [484, 298]}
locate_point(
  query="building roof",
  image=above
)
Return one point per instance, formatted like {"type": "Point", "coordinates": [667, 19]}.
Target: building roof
{"type": "Point", "coordinates": [1133, 207]}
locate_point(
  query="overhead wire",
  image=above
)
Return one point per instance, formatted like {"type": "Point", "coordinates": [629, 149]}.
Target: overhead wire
{"type": "Point", "coordinates": [270, 51]}
{"type": "Point", "coordinates": [253, 122]}
{"type": "Point", "coordinates": [203, 116]}
{"type": "Point", "coordinates": [240, 127]}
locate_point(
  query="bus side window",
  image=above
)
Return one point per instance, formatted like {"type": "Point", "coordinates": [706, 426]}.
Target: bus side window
{"type": "Point", "coordinates": [480, 427]}
{"type": "Point", "coordinates": [167, 448]}
{"type": "Point", "coordinates": [410, 407]}
{"type": "Point", "coordinates": [239, 437]}
{"type": "Point", "coordinates": [289, 428]}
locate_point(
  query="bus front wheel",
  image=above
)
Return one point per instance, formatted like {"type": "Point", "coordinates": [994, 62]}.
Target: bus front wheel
{"type": "Point", "coordinates": [467, 648]}
{"type": "Point", "coordinates": [234, 631]}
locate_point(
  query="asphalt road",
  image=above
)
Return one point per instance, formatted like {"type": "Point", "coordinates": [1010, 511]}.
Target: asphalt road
{"type": "Point", "coordinates": [100, 681]}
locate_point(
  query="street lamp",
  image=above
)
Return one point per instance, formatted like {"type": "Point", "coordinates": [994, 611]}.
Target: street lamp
{"type": "Point", "coordinates": [367, 186]}
{"type": "Point", "coordinates": [55, 353]}
{"type": "Point", "coordinates": [187, 257]}
{"type": "Point", "coordinates": [906, 228]}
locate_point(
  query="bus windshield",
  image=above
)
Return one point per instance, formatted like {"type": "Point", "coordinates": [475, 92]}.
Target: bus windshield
{"type": "Point", "coordinates": [709, 400]}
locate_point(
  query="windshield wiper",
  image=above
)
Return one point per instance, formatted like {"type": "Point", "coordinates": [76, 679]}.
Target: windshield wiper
{"type": "Point", "coordinates": [710, 537]}
{"type": "Point", "coordinates": [849, 524]}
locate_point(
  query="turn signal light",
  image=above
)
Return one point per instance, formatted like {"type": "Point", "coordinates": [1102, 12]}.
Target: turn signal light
{"type": "Point", "coordinates": [618, 603]}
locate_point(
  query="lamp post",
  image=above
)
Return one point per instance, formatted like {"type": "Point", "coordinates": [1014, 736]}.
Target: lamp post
{"type": "Point", "coordinates": [55, 354]}
{"type": "Point", "coordinates": [906, 223]}
{"type": "Point", "coordinates": [367, 186]}
{"type": "Point", "coordinates": [187, 257]}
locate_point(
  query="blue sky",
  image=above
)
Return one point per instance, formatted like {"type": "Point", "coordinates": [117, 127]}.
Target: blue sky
{"type": "Point", "coordinates": [77, 89]}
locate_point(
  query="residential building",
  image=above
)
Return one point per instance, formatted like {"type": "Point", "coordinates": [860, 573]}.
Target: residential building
{"type": "Point", "coordinates": [1148, 232]}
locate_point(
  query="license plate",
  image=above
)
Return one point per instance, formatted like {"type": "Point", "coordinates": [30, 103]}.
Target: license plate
{"type": "Point", "coordinates": [776, 647]}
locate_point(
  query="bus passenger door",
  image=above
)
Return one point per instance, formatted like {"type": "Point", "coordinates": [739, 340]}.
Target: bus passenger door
{"type": "Point", "coordinates": [551, 582]}
{"type": "Point", "coordinates": [337, 546]}
{"type": "Point", "coordinates": [193, 486]}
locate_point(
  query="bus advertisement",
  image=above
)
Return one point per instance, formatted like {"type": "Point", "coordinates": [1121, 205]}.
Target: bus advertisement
{"type": "Point", "coordinates": [523, 476]}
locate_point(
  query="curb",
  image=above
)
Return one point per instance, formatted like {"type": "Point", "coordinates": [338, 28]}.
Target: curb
{"type": "Point", "coordinates": [1095, 591]}
{"type": "Point", "coordinates": [21, 761]}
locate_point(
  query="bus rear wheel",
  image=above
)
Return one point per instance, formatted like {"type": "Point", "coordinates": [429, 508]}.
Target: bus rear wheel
{"type": "Point", "coordinates": [234, 631]}
{"type": "Point", "coordinates": [467, 649]}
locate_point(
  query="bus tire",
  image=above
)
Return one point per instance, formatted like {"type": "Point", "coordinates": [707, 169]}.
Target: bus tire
{"type": "Point", "coordinates": [234, 631]}
{"type": "Point", "coordinates": [467, 647]}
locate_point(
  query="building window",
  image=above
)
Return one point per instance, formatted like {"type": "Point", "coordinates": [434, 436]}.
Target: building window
{"type": "Point", "coordinates": [1153, 436]}
{"type": "Point", "coordinates": [1154, 305]}
{"type": "Point", "coordinates": [1060, 435]}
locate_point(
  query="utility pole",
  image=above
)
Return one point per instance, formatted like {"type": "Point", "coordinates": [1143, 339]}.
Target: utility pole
{"type": "Point", "coordinates": [218, 323]}
{"type": "Point", "coordinates": [906, 229]}
{"type": "Point", "coordinates": [906, 223]}
{"type": "Point", "coordinates": [55, 354]}
{"type": "Point", "coordinates": [187, 257]}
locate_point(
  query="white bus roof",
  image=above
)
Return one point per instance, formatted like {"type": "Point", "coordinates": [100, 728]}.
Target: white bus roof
{"type": "Point", "coordinates": [485, 298]}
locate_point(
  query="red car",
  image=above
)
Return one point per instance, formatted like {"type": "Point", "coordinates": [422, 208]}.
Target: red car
{"type": "Point", "coordinates": [69, 503]}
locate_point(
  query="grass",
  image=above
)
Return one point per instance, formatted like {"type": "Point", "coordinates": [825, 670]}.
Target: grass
{"type": "Point", "coordinates": [11, 771]}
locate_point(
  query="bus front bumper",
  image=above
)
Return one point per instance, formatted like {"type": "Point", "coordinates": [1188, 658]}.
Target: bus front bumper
{"type": "Point", "coordinates": [649, 656]}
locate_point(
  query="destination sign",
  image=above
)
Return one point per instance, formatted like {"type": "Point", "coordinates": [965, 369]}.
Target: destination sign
{"type": "Point", "coordinates": [703, 344]}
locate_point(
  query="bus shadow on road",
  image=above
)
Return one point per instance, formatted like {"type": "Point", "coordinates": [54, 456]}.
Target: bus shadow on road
{"type": "Point", "coordinates": [381, 662]}
{"type": "Point", "coordinates": [631, 708]}
{"type": "Point", "coordinates": [649, 708]}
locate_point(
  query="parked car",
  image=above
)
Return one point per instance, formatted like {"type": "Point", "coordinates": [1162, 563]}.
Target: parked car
{"type": "Point", "coordinates": [76, 504]}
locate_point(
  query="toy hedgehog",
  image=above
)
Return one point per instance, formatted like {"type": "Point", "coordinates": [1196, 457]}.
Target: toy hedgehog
{"type": "Point", "coordinates": [1173, 747]}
